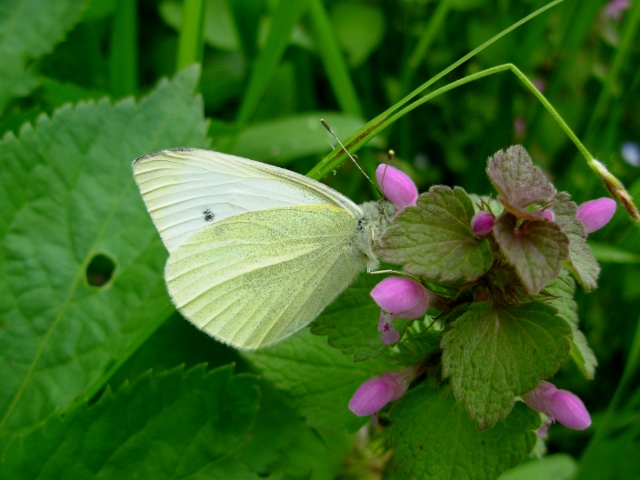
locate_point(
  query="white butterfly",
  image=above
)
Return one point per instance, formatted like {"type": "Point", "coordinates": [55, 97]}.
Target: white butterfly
{"type": "Point", "coordinates": [256, 251]}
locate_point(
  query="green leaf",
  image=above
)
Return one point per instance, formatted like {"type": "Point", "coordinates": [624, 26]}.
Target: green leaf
{"type": "Point", "coordinates": [351, 322]}
{"type": "Point", "coordinates": [433, 438]}
{"type": "Point", "coordinates": [359, 27]}
{"type": "Point", "coordinates": [319, 379]}
{"type": "Point", "coordinates": [519, 182]}
{"type": "Point", "coordinates": [168, 426]}
{"type": "Point", "coordinates": [493, 353]}
{"type": "Point", "coordinates": [434, 239]}
{"type": "Point", "coordinates": [581, 261]}
{"type": "Point", "coordinates": [535, 248]}
{"type": "Point", "coordinates": [562, 290]}
{"type": "Point", "coordinates": [28, 30]}
{"type": "Point", "coordinates": [68, 197]}
{"type": "Point", "coordinates": [558, 466]}
{"type": "Point", "coordinates": [282, 140]}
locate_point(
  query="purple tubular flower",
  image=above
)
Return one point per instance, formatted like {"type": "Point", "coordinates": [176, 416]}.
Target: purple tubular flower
{"type": "Point", "coordinates": [396, 186]}
{"type": "Point", "coordinates": [389, 334]}
{"type": "Point", "coordinates": [560, 405]}
{"type": "Point", "coordinates": [402, 297]}
{"type": "Point", "coordinates": [482, 223]}
{"type": "Point", "coordinates": [595, 214]}
{"type": "Point", "coordinates": [374, 394]}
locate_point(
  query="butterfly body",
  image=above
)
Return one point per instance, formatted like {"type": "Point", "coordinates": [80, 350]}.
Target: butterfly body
{"type": "Point", "coordinates": [256, 251]}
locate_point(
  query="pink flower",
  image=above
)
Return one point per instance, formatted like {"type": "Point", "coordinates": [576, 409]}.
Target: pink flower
{"type": "Point", "coordinates": [595, 214]}
{"type": "Point", "coordinates": [482, 223]}
{"type": "Point", "coordinates": [403, 297]}
{"type": "Point", "coordinates": [615, 8]}
{"type": "Point", "coordinates": [396, 186]}
{"type": "Point", "coordinates": [389, 334]}
{"type": "Point", "coordinates": [374, 394]}
{"type": "Point", "coordinates": [558, 405]}
{"type": "Point", "coordinates": [399, 297]}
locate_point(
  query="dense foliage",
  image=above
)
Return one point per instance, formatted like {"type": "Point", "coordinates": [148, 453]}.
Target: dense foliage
{"type": "Point", "coordinates": [102, 378]}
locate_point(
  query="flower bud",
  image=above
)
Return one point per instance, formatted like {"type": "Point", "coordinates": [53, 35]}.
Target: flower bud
{"type": "Point", "coordinates": [558, 405]}
{"type": "Point", "coordinates": [374, 394]}
{"type": "Point", "coordinates": [482, 223]}
{"type": "Point", "coordinates": [396, 186]}
{"type": "Point", "coordinates": [402, 297]}
{"type": "Point", "coordinates": [595, 214]}
{"type": "Point", "coordinates": [549, 215]}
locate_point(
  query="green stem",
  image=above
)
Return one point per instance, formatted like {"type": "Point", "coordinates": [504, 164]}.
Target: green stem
{"type": "Point", "coordinates": [333, 60]}
{"type": "Point", "coordinates": [190, 42]}
{"type": "Point", "coordinates": [123, 56]}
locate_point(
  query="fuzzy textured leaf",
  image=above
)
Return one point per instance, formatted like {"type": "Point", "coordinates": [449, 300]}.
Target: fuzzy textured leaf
{"type": "Point", "coordinates": [67, 195]}
{"type": "Point", "coordinates": [581, 261]}
{"type": "Point", "coordinates": [519, 182]}
{"type": "Point", "coordinates": [351, 322]}
{"type": "Point", "coordinates": [434, 438]}
{"type": "Point", "coordinates": [168, 426]}
{"type": "Point", "coordinates": [494, 353]}
{"type": "Point", "coordinates": [536, 249]}
{"type": "Point", "coordinates": [319, 379]}
{"type": "Point", "coordinates": [434, 239]}
{"type": "Point", "coordinates": [562, 290]}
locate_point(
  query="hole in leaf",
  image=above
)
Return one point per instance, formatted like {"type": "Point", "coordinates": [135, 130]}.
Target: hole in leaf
{"type": "Point", "coordinates": [100, 270]}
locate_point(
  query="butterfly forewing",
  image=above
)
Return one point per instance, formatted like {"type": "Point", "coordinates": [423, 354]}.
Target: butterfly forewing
{"type": "Point", "coordinates": [252, 280]}
{"type": "Point", "coordinates": [186, 190]}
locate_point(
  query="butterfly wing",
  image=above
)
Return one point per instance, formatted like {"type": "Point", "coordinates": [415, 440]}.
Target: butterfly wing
{"type": "Point", "coordinates": [187, 189]}
{"type": "Point", "coordinates": [252, 280]}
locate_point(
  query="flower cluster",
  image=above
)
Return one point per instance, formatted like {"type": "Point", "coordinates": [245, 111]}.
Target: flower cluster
{"type": "Point", "coordinates": [407, 298]}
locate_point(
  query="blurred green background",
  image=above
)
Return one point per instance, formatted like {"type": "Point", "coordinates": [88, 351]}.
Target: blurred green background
{"type": "Point", "coordinates": [271, 69]}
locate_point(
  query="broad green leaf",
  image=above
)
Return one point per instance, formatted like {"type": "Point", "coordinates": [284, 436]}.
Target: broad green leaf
{"type": "Point", "coordinates": [560, 292]}
{"type": "Point", "coordinates": [68, 196]}
{"type": "Point", "coordinates": [29, 29]}
{"type": "Point", "coordinates": [282, 444]}
{"type": "Point", "coordinates": [359, 28]}
{"type": "Point", "coordinates": [581, 261]}
{"type": "Point", "coordinates": [434, 239]}
{"type": "Point", "coordinates": [494, 353]}
{"type": "Point", "coordinates": [558, 466]}
{"type": "Point", "coordinates": [519, 182]}
{"type": "Point", "coordinates": [351, 322]}
{"type": "Point", "coordinates": [433, 438]}
{"type": "Point", "coordinates": [535, 248]}
{"type": "Point", "coordinates": [319, 379]}
{"type": "Point", "coordinates": [169, 426]}
{"type": "Point", "coordinates": [286, 139]}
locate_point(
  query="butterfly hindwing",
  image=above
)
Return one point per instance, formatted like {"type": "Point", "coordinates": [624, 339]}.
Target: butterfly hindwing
{"type": "Point", "coordinates": [252, 280]}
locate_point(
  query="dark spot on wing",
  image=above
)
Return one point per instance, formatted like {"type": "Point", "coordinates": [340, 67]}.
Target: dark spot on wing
{"type": "Point", "coordinates": [208, 215]}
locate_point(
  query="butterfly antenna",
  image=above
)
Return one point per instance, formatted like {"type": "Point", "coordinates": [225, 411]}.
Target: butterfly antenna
{"type": "Point", "coordinates": [326, 125]}
{"type": "Point", "coordinates": [390, 154]}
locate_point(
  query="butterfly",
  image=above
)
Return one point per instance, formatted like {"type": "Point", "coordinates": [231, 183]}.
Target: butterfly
{"type": "Point", "coordinates": [256, 252]}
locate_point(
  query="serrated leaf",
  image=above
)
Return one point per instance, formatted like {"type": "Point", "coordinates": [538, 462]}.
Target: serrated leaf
{"type": "Point", "coordinates": [581, 261]}
{"type": "Point", "coordinates": [433, 438]}
{"type": "Point", "coordinates": [319, 379]}
{"type": "Point", "coordinates": [519, 182]}
{"type": "Point", "coordinates": [493, 353]}
{"type": "Point", "coordinates": [562, 290]}
{"type": "Point", "coordinates": [67, 195]}
{"type": "Point", "coordinates": [29, 29]}
{"type": "Point", "coordinates": [434, 239]}
{"type": "Point", "coordinates": [163, 427]}
{"type": "Point", "coordinates": [351, 322]}
{"type": "Point", "coordinates": [535, 248]}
